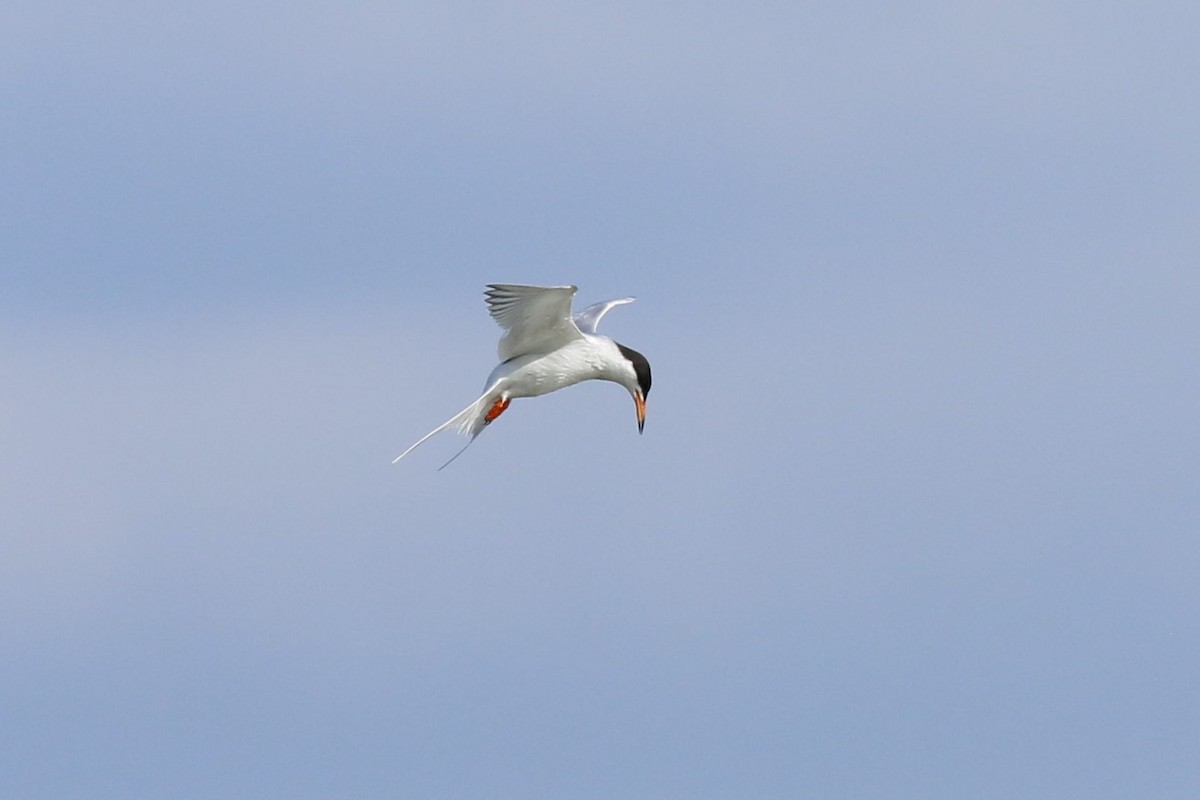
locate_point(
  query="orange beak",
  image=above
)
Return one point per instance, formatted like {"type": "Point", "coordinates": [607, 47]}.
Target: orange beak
{"type": "Point", "coordinates": [639, 400]}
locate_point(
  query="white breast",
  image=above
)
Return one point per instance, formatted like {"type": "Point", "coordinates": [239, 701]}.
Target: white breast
{"type": "Point", "coordinates": [593, 357]}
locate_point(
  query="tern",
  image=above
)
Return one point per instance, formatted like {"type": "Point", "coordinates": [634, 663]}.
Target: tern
{"type": "Point", "coordinates": [545, 348]}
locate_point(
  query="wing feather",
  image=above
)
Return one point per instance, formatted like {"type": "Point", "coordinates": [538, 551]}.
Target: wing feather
{"type": "Point", "coordinates": [535, 319]}
{"type": "Point", "coordinates": [588, 320]}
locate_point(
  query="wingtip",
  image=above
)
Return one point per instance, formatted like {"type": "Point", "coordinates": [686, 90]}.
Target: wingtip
{"type": "Point", "coordinates": [502, 287]}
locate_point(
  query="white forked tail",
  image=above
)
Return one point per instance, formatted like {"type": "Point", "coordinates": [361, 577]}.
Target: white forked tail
{"type": "Point", "coordinates": [471, 420]}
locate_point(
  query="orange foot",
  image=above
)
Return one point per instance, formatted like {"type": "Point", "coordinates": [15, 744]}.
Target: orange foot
{"type": "Point", "coordinates": [496, 410]}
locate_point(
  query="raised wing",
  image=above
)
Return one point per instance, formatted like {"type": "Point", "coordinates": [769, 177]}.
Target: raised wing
{"type": "Point", "coordinates": [588, 320]}
{"type": "Point", "coordinates": [535, 319]}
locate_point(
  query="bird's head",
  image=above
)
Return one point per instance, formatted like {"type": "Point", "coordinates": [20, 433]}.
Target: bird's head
{"type": "Point", "coordinates": [637, 381]}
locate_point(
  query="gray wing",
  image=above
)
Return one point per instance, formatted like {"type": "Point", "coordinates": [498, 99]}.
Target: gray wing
{"type": "Point", "coordinates": [535, 319]}
{"type": "Point", "coordinates": [588, 320]}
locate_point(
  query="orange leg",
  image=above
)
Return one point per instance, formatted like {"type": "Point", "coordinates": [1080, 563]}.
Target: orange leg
{"type": "Point", "coordinates": [497, 409]}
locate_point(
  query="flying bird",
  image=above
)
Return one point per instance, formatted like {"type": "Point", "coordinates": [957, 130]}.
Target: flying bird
{"type": "Point", "coordinates": [545, 348]}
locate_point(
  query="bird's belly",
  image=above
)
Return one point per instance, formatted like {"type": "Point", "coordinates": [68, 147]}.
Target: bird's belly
{"type": "Point", "coordinates": [530, 376]}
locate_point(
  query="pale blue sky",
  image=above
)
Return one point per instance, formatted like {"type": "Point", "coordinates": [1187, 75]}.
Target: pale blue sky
{"type": "Point", "coordinates": [915, 513]}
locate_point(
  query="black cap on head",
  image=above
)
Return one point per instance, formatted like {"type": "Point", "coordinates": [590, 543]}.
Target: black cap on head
{"type": "Point", "coordinates": [641, 367]}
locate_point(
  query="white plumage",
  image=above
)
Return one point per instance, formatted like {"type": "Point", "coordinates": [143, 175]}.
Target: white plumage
{"type": "Point", "coordinates": [544, 348]}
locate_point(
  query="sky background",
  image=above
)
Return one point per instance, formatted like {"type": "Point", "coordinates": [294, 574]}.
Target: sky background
{"type": "Point", "coordinates": [915, 514]}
